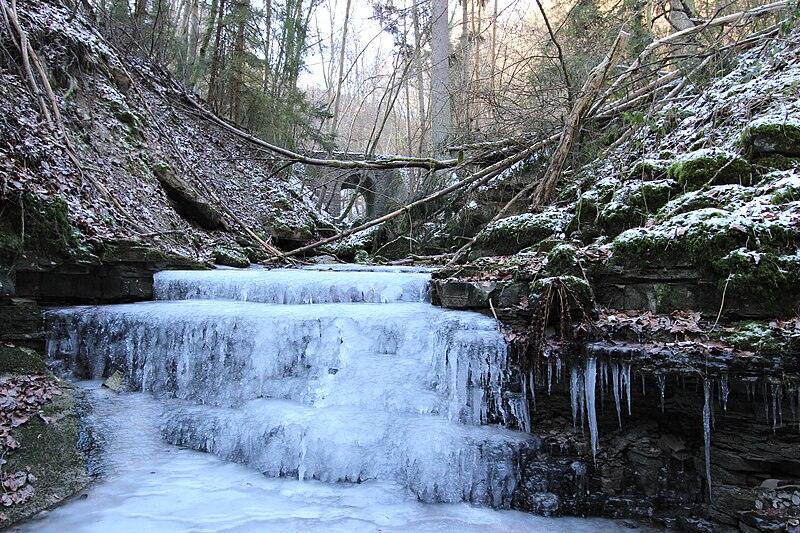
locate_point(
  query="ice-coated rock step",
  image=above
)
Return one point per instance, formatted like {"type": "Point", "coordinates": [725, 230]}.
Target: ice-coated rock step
{"type": "Point", "coordinates": [439, 461]}
{"type": "Point", "coordinates": [292, 286]}
{"type": "Point", "coordinates": [224, 352]}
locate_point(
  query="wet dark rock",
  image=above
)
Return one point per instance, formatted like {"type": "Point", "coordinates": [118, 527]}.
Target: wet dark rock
{"type": "Point", "coordinates": [186, 201]}
{"type": "Point", "coordinates": [230, 257]}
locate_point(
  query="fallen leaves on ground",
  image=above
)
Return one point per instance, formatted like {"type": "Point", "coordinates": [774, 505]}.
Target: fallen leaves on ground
{"type": "Point", "coordinates": [21, 398]}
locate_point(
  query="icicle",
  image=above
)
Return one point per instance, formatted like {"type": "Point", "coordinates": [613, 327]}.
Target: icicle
{"type": "Point", "coordinates": [644, 392]}
{"type": "Point", "coordinates": [713, 411]}
{"type": "Point", "coordinates": [662, 385]}
{"type": "Point", "coordinates": [532, 382]}
{"type": "Point", "coordinates": [582, 401]}
{"type": "Point", "coordinates": [626, 375]}
{"type": "Point", "coordinates": [549, 375]}
{"type": "Point", "coordinates": [766, 403]}
{"type": "Point", "coordinates": [573, 395]}
{"type": "Point", "coordinates": [602, 390]}
{"type": "Point", "coordinates": [589, 385]}
{"type": "Point", "coordinates": [558, 369]}
{"type": "Point", "coordinates": [776, 401]}
{"type": "Point", "coordinates": [616, 386]}
{"type": "Point", "coordinates": [524, 417]}
{"type": "Point", "coordinates": [707, 431]}
{"type": "Point", "coordinates": [725, 392]}
{"type": "Point", "coordinates": [793, 399]}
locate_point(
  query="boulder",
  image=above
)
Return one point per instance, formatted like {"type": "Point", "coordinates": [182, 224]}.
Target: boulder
{"type": "Point", "coordinates": [710, 166]}
{"type": "Point", "coordinates": [772, 135]}
{"type": "Point", "coordinates": [186, 201]}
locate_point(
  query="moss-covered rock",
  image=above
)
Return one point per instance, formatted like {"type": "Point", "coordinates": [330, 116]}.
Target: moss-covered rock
{"type": "Point", "coordinates": [633, 203]}
{"type": "Point", "coordinates": [19, 359]}
{"type": "Point", "coordinates": [705, 235]}
{"type": "Point", "coordinates": [512, 234]}
{"type": "Point", "coordinates": [562, 260]}
{"type": "Point", "coordinates": [763, 276]}
{"type": "Point", "coordinates": [770, 162]}
{"type": "Point", "coordinates": [649, 170]}
{"type": "Point", "coordinates": [717, 196]}
{"type": "Point", "coordinates": [755, 336]}
{"type": "Point", "coordinates": [226, 256]}
{"type": "Point", "coordinates": [51, 451]}
{"type": "Point", "coordinates": [772, 135]}
{"type": "Point", "coordinates": [710, 166]}
{"type": "Point", "coordinates": [30, 225]}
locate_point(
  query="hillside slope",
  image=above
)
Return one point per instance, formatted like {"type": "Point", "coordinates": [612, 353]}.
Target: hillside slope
{"type": "Point", "coordinates": [135, 136]}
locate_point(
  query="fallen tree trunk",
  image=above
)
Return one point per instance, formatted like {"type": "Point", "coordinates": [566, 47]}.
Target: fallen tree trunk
{"type": "Point", "coordinates": [546, 188]}
{"type": "Point", "coordinates": [480, 176]}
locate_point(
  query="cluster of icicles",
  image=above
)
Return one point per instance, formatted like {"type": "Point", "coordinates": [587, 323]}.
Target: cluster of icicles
{"type": "Point", "coordinates": [594, 373]}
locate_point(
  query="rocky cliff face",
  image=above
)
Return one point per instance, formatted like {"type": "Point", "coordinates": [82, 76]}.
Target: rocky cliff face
{"type": "Point", "coordinates": [665, 279]}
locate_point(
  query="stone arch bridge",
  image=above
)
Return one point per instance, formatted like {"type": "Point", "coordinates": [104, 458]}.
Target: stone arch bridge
{"type": "Point", "coordinates": [380, 191]}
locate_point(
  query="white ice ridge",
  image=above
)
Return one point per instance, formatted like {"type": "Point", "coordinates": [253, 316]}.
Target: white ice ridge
{"type": "Point", "coordinates": [438, 461]}
{"type": "Point", "coordinates": [293, 286]}
{"type": "Point", "coordinates": [402, 357]}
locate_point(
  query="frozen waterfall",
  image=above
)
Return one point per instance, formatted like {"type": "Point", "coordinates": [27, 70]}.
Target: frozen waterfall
{"type": "Point", "coordinates": [337, 376]}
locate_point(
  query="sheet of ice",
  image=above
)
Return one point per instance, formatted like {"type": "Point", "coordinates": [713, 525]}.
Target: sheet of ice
{"type": "Point", "coordinates": [154, 487]}
{"type": "Point", "coordinates": [402, 357]}
{"type": "Point", "coordinates": [437, 460]}
{"type": "Point", "coordinates": [292, 286]}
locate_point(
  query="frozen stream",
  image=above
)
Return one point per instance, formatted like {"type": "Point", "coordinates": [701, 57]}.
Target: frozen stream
{"type": "Point", "coordinates": [152, 487]}
{"type": "Point", "coordinates": [364, 407]}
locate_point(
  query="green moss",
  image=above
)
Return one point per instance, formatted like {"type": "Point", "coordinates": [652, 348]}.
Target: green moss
{"type": "Point", "coordinates": [33, 226]}
{"type": "Point", "coordinates": [710, 166]}
{"type": "Point", "coordinates": [51, 453]}
{"type": "Point", "coordinates": [227, 256]}
{"type": "Point", "coordinates": [512, 234]}
{"type": "Point", "coordinates": [763, 276]}
{"type": "Point", "coordinates": [19, 359]}
{"type": "Point", "coordinates": [705, 236]}
{"type": "Point", "coordinates": [755, 337]}
{"type": "Point", "coordinates": [718, 196]}
{"type": "Point", "coordinates": [776, 162]}
{"type": "Point", "coordinates": [562, 261]}
{"type": "Point", "coordinates": [772, 135]}
{"type": "Point", "coordinates": [632, 204]}
{"type": "Point", "coordinates": [648, 170]}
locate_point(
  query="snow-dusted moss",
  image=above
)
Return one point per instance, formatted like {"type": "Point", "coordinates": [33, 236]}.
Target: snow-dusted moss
{"type": "Point", "coordinates": [632, 204]}
{"type": "Point", "coordinates": [227, 256]}
{"type": "Point", "coordinates": [707, 235]}
{"type": "Point", "coordinates": [512, 234]}
{"type": "Point", "coordinates": [649, 169]}
{"type": "Point", "coordinates": [773, 134]}
{"type": "Point", "coordinates": [562, 260]}
{"type": "Point", "coordinates": [710, 166]}
{"type": "Point", "coordinates": [759, 274]}
{"type": "Point", "coordinates": [718, 196]}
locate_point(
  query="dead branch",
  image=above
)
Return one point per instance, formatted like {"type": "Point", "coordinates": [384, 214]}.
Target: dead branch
{"type": "Point", "coordinates": [381, 164]}
{"type": "Point", "coordinates": [561, 61]}
{"type": "Point", "coordinates": [678, 38]}
{"type": "Point", "coordinates": [546, 188]}
{"type": "Point", "coordinates": [481, 176]}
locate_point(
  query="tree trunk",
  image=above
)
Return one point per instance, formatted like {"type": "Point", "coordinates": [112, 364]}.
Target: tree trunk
{"type": "Point", "coordinates": [215, 61]}
{"type": "Point", "coordinates": [440, 77]}
{"type": "Point", "coordinates": [337, 97]}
